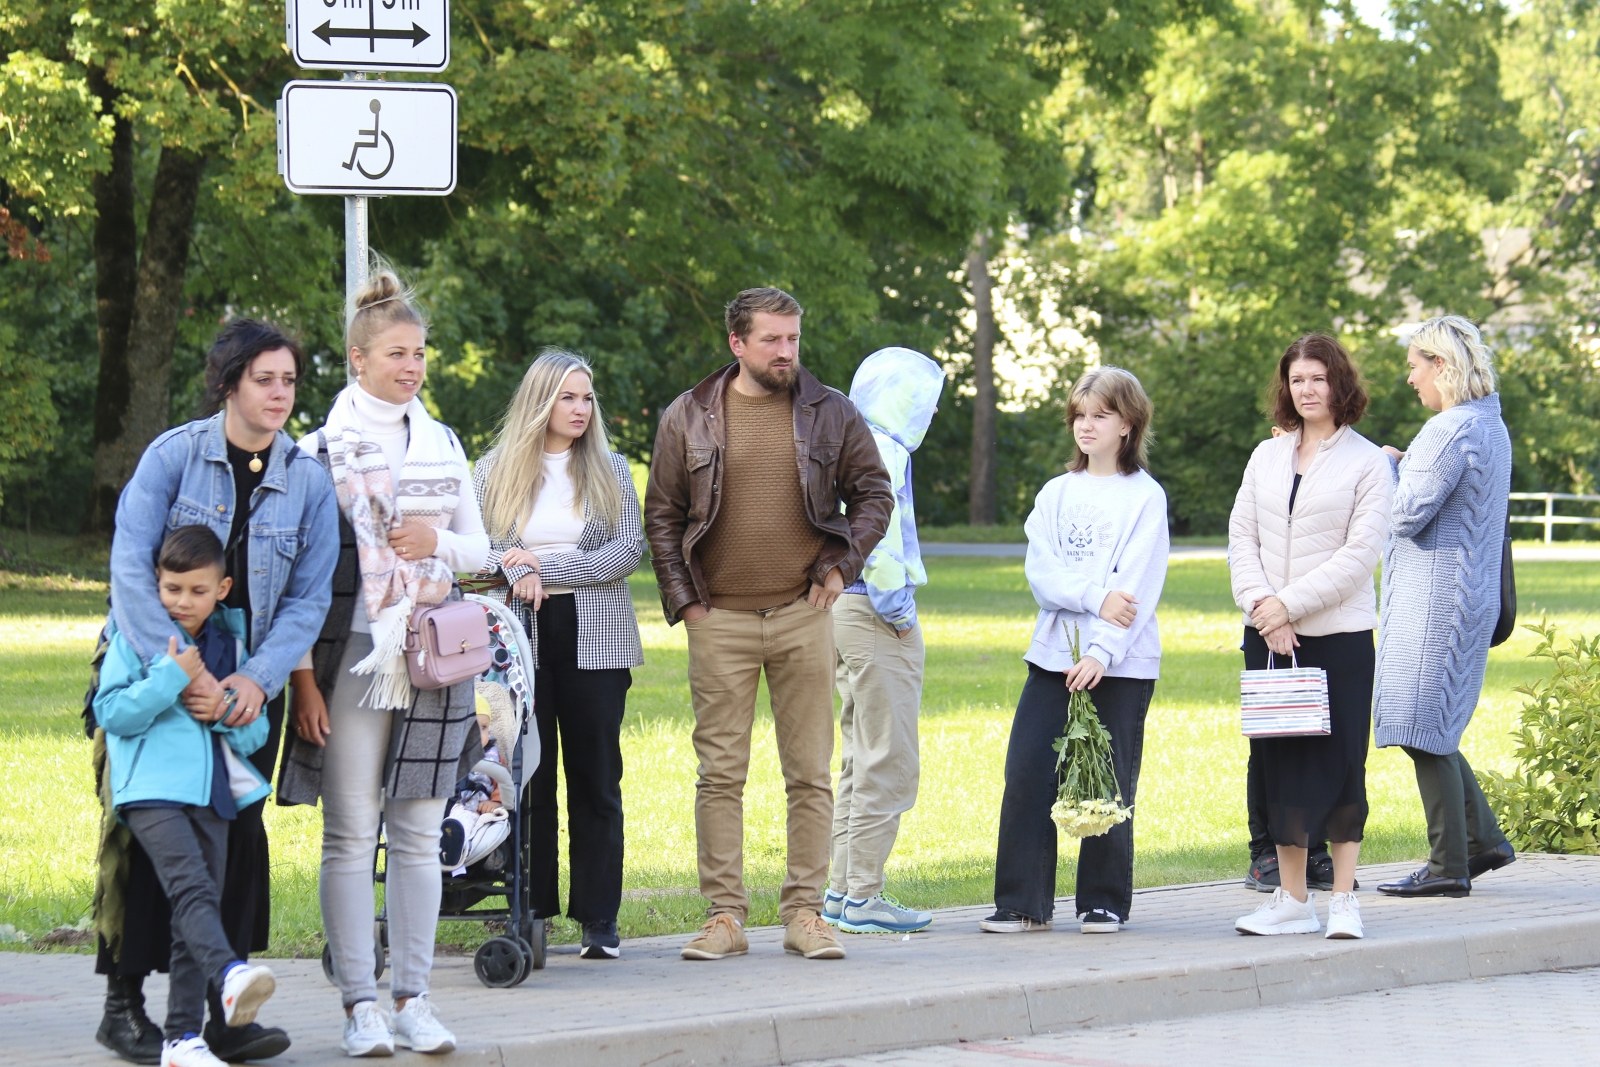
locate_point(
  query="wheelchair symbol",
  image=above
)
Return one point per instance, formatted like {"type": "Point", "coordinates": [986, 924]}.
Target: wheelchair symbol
{"type": "Point", "coordinates": [375, 133]}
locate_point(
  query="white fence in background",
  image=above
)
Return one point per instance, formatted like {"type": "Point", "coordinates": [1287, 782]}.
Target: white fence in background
{"type": "Point", "coordinates": [1550, 520]}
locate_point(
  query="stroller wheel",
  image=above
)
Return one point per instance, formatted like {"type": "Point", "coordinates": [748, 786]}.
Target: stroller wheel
{"type": "Point", "coordinates": [499, 963]}
{"type": "Point", "coordinates": [536, 950]}
{"type": "Point", "coordinates": [380, 936]}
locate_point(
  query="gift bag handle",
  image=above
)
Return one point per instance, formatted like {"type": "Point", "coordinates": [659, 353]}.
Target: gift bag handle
{"type": "Point", "coordinates": [1293, 659]}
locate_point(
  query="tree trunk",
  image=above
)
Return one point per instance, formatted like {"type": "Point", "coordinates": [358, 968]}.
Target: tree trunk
{"type": "Point", "coordinates": [152, 328]}
{"type": "Point", "coordinates": [985, 438]}
{"type": "Point", "coordinates": [116, 266]}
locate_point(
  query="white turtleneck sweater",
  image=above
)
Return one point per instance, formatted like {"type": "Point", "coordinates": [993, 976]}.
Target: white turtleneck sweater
{"type": "Point", "coordinates": [465, 545]}
{"type": "Point", "coordinates": [553, 524]}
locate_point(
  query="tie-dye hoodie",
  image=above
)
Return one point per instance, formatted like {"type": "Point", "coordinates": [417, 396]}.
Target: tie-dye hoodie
{"type": "Point", "coordinates": [896, 390]}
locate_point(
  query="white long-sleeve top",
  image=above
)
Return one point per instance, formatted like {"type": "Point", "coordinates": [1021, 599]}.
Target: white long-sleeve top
{"type": "Point", "coordinates": [1087, 537]}
{"type": "Point", "coordinates": [465, 544]}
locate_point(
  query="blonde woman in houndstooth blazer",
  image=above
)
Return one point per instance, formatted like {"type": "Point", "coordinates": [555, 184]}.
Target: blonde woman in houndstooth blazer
{"type": "Point", "coordinates": [564, 529]}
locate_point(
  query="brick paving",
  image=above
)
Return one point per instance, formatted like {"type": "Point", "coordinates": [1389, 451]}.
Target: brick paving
{"type": "Point", "coordinates": [1178, 958]}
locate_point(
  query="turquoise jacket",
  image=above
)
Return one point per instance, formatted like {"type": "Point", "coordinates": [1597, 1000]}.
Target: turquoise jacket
{"type": "Point", "coordinates": [156, 750]}
{"type": "Point", "coordinates": [897, 390]}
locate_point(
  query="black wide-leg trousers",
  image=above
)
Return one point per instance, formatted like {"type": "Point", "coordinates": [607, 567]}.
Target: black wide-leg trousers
{"type": "Point", "coordinates": [1025, 866]}
{"type": "Point", "coordinates": [586, 708]}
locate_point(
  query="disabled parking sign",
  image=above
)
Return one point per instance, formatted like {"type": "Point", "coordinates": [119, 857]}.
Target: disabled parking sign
{"type": "Point", "coordinates": [363, 138]}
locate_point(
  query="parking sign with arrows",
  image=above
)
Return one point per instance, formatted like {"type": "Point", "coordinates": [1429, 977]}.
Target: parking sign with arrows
{"type": "Point", "coordinates": [370, 35]}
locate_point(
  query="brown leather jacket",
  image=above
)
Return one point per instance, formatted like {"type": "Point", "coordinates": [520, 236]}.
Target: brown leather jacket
{"type": "Point", "coordinates": [837, 458]}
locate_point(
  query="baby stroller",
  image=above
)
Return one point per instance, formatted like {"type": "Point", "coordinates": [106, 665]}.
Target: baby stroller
{"type": "Point", "coordinates": [495, 858]}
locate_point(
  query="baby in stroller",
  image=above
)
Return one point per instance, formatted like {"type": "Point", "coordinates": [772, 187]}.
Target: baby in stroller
{"type": "Point", "coordinates": [477, 822]}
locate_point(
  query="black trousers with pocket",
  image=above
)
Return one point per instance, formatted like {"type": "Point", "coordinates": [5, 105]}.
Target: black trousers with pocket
{"type": "Point", "coordinates": [586, 709]}
{"type": "Point", "coordinates": [1025, 866]}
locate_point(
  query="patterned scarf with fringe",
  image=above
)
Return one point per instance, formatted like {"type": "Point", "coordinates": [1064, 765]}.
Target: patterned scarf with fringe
{"type": "Point", "coordinates": [374, 502]}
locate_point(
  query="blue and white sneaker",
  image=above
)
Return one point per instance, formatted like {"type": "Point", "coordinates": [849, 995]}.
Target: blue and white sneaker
{"type": "Point", "coordinates": [882, 914]}
{"type": "Point", "coordinates": [832, 905]}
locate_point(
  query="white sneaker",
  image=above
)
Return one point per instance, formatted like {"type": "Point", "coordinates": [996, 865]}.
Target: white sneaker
{"type": "Point", "coordinates": [417, 1028]}
{"type": "Point", "coordinates": [244, 989]}
{"type": "Point", "coordinates": [188, 1052]}
{"type": "Point", "coordinates": [1344, 917]}
{"type": "Point", "coordinates": [881, 914]}
{"type": "Point", "coordinates": [1282, 914]}
{"type": "Point", "coordinates": [366, 1032]}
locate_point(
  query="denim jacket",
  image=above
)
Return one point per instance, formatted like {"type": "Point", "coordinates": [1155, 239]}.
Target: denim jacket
{"type": "Point", "coordinates": [184, 479]}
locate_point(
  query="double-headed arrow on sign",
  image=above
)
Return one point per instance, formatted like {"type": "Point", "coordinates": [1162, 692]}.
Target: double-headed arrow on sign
{"type": "Point", "coordinates": [328, 31]}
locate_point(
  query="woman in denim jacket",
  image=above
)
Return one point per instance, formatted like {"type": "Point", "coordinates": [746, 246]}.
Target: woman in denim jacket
{"type": "Point", "coordinates": [273, 507]}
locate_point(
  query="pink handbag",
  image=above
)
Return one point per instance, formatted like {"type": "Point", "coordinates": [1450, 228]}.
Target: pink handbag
{"type": "Point", "coordinates": [447, 643]}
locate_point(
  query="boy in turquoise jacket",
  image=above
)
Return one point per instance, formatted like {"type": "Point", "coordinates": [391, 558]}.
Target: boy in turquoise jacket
{"type": "Point", "coordinates": [177, 780]}
{"type": "Point", "coordinates": [881, 659]}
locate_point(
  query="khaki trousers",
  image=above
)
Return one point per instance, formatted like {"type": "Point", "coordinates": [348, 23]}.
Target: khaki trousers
{"type": "Point", "coordinates": [880, 683]}
{"type": "Point", "coordinates": [727, 652]}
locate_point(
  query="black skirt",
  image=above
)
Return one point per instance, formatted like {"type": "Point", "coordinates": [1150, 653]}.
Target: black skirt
{"type": "Point", "coordinates": [1315, 788]}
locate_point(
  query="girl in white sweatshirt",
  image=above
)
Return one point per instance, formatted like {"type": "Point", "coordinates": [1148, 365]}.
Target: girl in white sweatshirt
{"type": "Point", "coordinates": [1097, 558]}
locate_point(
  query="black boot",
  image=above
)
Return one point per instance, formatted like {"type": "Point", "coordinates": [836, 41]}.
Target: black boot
{"type": "Point", "coordinates": [126, 1029]}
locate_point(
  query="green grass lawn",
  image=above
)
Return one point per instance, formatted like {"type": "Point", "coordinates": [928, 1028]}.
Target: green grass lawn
{"type": "Point", "coordinates": [977, 614]}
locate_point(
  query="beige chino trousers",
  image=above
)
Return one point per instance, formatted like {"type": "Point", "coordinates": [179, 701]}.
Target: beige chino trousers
{"type": "Point", "coordinates": [880, 684]}
{"type": "Point", "coordinates": [728, 650]}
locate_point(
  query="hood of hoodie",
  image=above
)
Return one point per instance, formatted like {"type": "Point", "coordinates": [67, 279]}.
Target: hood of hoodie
{"type": "Point", "coordinates": [896, 390]}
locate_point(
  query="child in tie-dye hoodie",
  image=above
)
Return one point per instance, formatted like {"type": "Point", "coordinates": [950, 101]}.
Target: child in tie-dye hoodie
{"type": "Point", "coordinates": [881, 658]}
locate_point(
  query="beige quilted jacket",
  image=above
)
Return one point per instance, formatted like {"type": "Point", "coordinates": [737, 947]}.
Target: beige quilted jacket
{"type": "Point", "coordinates": [1320, 561]}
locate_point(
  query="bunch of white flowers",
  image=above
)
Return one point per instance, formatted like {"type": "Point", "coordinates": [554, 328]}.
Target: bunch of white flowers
{"type": "Point", "coordinates": [1088, 802]}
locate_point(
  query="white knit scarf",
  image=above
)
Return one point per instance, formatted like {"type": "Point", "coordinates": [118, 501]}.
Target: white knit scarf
{"type": "Point", "coordinates": [427, 493]}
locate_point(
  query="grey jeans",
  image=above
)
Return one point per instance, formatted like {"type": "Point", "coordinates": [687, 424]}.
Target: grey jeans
{"type": "Point", "coordinates": [352, 802]}
{"type": "Point", "coordinates": [188, 847]}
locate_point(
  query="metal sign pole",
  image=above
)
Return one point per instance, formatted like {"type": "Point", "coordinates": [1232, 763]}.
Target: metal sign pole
{"type": "Point", "coordinates": [357, 261]}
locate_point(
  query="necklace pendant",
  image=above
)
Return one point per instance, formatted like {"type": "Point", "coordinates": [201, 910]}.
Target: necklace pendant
{"type": "Point", "coordinates": [255, 464]}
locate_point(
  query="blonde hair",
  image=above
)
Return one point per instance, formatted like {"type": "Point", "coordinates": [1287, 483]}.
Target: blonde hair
{"type": "Point", "coordinates": [1468, 370]}
{"type": "Point", "coordinates": [1117, 391]}
{"type": "Point", "coordinates": [382, 302]}
{"type": "Point", "coordinates": [518, 472]}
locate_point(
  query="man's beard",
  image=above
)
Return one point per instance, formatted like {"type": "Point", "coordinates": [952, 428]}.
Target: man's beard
{"type": "Point", "coordinates": [773, 379]}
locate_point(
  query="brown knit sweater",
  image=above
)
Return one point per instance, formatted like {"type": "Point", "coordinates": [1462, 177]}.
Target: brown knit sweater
{"type": "Point", "coordinates": [761, 546]}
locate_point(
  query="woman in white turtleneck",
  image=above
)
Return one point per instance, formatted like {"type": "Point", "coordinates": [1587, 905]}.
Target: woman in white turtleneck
{"type": "Point", "coordinates": [564, 529]}
{"type": "Point", "coordinates": [410, 522]}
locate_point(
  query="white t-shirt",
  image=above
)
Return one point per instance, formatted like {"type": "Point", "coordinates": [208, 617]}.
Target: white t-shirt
{"type": "Point", "coordinates": [553, 525]}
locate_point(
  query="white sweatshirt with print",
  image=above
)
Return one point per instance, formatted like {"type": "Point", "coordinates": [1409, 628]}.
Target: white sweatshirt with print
{"type": "Point", "coordinates": [1087, 537]}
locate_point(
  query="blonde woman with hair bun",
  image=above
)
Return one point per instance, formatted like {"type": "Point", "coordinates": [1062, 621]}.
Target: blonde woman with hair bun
{"type": "Point", "coordinates": [1441, 599]}
{"type": "Point", "coordinates": [564, 529]}
{"type": "Point", "coordinates": [407, 527]}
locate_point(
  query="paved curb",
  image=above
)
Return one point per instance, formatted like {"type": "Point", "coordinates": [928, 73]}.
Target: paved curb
{"type": "Point", "coordinates": [997, 1010]}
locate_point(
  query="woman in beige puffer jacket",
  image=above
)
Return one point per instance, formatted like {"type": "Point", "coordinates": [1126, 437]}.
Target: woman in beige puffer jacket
{"type": "Point", "coordinates": [1305, 536]}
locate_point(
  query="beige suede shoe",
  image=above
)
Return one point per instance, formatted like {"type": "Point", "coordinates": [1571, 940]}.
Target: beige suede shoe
{"type": "Point", "coordinates": [720, 937]}
{"type": "Point", "coordinates": [808, 935]}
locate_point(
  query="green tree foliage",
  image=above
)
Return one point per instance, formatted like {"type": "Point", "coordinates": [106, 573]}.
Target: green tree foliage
{"type": "Point", "coordinates": [1551, 803]}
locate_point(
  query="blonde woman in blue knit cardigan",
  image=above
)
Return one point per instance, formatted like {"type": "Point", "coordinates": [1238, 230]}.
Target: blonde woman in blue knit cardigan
{"type": "Point", "coordinates": [1441, 598]}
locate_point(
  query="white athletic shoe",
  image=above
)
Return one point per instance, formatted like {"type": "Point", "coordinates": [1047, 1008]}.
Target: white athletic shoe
{"type": "Point", "coordinates": [1344, 917]}
{"type": "Point", "coordinates": [188, 1052]}
{"type": "Point", "coordinates": [417, 1028]}
{"type": "Point", "coordinates": [882, 914]}
{"type": "Point", "coordinates": [1282, 914]}
{"type": "Point", "coordinates": [366, 1032]}
{"type": "Point", "coordinates": [244, 989]}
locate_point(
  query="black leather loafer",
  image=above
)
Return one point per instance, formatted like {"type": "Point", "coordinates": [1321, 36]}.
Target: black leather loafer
{"type": "Point", "coordinates": [1491, 859]}
{"type": "Point", "coordinates": [1424, 883]}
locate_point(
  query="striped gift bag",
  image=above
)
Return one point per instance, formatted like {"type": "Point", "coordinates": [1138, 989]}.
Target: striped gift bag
{"type": "Point", "coordinates": [1286, 702]}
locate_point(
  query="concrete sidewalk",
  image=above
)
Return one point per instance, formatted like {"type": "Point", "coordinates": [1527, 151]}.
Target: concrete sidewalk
{"type": "Point", "coordinates": [1179, 957]}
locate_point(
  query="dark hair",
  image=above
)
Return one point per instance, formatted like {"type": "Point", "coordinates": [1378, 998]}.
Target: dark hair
{"type": "Point", "coordinates": [740, 313]}
{"type": "Point", "coordinates": [1346, 396]}
{"type": "Point", "coordinates": [239, 343]}
{"type": "Point", "coordinates": [189, 548]}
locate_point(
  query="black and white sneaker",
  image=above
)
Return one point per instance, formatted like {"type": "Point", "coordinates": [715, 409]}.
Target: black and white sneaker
{"type": "Point", "coordinates": [1098, 921]}
{"type": "Point", "coordinates": [600, 941]}
{"type": "Point", "coordinates": [1010, 922]}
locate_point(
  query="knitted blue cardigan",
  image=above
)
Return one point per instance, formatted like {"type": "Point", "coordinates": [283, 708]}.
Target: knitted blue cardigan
{"type": "Point", "coordinates": [1441, 577]}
